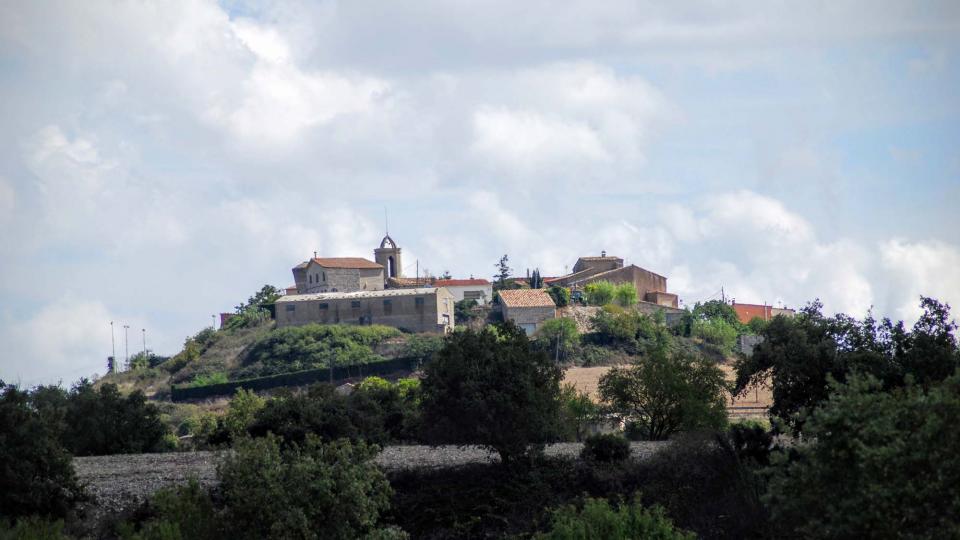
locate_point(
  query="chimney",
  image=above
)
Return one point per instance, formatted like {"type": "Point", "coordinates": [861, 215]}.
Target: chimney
{"type": "Point", "coordinates": [603, 253]}
{"type": "Point", "coordinates": [314, 254]}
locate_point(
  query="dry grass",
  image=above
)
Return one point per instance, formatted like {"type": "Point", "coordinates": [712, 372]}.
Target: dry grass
{"type": "Point", "coordinates": [586, 380]}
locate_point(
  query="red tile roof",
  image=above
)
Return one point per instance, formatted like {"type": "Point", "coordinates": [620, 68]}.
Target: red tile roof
{"type": "Point", "coordinates": [460, 282]}
{"type": "Point", "coordinates": [526, 298]}
{"type": "Point", "coordinates": [346, 262]}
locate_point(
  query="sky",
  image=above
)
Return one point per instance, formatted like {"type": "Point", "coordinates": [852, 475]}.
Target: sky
{"type": "Point", "coordinates": [161, 161]}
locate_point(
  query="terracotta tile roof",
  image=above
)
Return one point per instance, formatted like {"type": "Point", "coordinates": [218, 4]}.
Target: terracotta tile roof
{"type": "Point", "coordinates": [460, 282]}
{"type": "Point", "coordinates": [346, 262]}
{"type": "Point", "coordinates": [406, 282]}
{"type": "Point", "coordinates": [526, 298]}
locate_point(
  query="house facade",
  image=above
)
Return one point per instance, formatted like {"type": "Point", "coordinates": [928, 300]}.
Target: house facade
{"type": "Point", "coordinates": [527, 308]}
{"type": "Point", "coordinates": [651, 287]}
{"type": "Point", "coordinates": [480, 290]}
{"type": "Point", "coordinates": [412, 310]}
{"type": "Point", "coordinates": [337, 274]}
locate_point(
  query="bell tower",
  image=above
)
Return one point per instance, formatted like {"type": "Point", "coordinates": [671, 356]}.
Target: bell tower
{"type": "Point", "coordinates": [388, 256]}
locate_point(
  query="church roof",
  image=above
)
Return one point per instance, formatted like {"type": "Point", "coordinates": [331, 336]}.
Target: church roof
{"type": "Point", "coordinates": [346, 262]}
{"type": "Point", "coordinates": [356, 295]}
{"type": "Point", "coordinates": [460, 282]}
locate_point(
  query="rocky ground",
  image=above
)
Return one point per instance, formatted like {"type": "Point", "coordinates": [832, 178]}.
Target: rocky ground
{"type": "Point", "coordinates": [122, 481]}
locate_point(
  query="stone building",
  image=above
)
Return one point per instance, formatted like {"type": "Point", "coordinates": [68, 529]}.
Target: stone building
{"type": "Point", "coordinates": [528, 308]}
{"type": "Point", "coordinates": [388, 256]}
{"type": "Point", "coordinates": [480, 290]}
{"type": "Point", "coordinates": [651, 287]}
{"type": "Point", "coordinates": [337, 274]}
{"type": "Point", "coordinates": [413, 310]}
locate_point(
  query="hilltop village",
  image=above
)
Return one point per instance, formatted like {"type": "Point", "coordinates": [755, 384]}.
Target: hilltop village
{"type": "Point", "coordinates": [356, 290]}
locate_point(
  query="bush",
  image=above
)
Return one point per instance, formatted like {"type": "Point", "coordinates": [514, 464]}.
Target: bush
{"type": "Point", "coordinates": [489, 387]}
{"type": "Point", "coordinates": [716, 332]}
{"type": "Point", "coordinates": [668, 392]}
{"type": "Point", "coordinates": [605, 448]}
{"type": "Point", "coordinates": [101, 422]}
{"type": "Point", "coordinates": [36, 472]}
{"type": "Point", "coordinates": [560, 295]}
{"type": "Point", "coordinates": [32, 528]}
{"type": "Point", "coordinates": [178, 512]}
{"type": "Point", "coordinates": [559, 337]}
{"type": "Point", "coordinates": [752, 441]}
{"type": "Point", "coordinates": [626, 329]}
{"type": "Point", "coordinates": [599, 521]}
{"type": "Point", "coordinates": [599, 293]}
{"type": "Point", "coordinates": [876, 463]}
{"type": "Point", "coordinates": [312, 490]}
{"type": "Point", "coordinates": [578, 409]}
{"type": "Point", "coordinates": [463, 312]}
{"type": "Point", "coordinates": [318, 346]}
{"type": "Point", "coordinates": [423, 346]}
{"type": "Point", "coordinates": [625, 295]}
{"type": "Point", "coordinates": [242, 411]}
{"type": "Point", "coordinates": [208, 379]}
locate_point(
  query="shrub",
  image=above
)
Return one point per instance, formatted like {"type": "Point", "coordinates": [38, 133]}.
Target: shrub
{"type": "Point", "coordinates": [304, 491]}
{"type": "Point", "coordinates": [318, 346]}
{"type": "Point", "coordinates": [752, 441]}
{"type": "Point", "coordinates": [625, 295]}
{"type": "Point", "coordinates": [559, 337]}
{"type": "Point", "coordinates": [626, 329]}
{"type": "Point", "coordinates": [668, 392]}
{"type": "Point", "coordinates": [207, 379]}
{"type": "Point", "coordinates": [716, 332]}
{"type": "Point", "coordinates": [605, 448]}
{"type": "Point", "coordinates": [599, 293]}
{"type": "Point", "coordinates": [597, 520]}
{"type": "Point", "coordinates": [242, 411]}
{"type": "Point", "coordinates": [560, 295]}
{"type": "Point", "coordinates": [876, 463]}
{"type": "Point", "coordinates": [102, 421]}
{"type": "Point", "coordinates": [36, 472]}
{"type": "Point", "coordinates": [178, 512]}
{"type": "Point", "coordinates": [32, 528]}
{"type": "Point", "coordinates": [463, 312]}
{"type": "Point", "coordinates": [578, 410]}
{"type": "Point", "coordinates": [489, 387]}
{"type": "Point", "coordinates": [422, 347]}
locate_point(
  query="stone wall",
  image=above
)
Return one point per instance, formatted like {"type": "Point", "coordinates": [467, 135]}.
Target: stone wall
{"type": "Point", "coordinates": [433, 312]}
{"type": "Point", "coordinates": [534, 316]}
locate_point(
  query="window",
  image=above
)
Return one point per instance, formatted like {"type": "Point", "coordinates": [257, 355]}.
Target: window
{"type": "Point", "coordinates": [418, 303]}
{"type": "Point", "coordinates": [309, 278]}
{"type": "Point", "coordinates": [387, 307]}
{"type": "Point", "coordinates": [355, 304]}
{"type": "Point", "coordinates": [291, 307]}
{"type": "Point", "coordinates": [324, 276]}
{"type": "Point", "coordinates": [472, 295]}
{"type": "Point", "coordinates": [324, 306]}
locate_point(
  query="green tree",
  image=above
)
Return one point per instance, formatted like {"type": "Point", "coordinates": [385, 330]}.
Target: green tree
{"type": "Point", "coordinates": [667, 392]}
{"type": "Point", "coordinates": [874, 463]}
{"type": "Point", "coordinates": [536, 282]}
{"type": "Point", "coordinates": [799, 354]}
{"type": "Point", "coordinates": [463, 312]}
{"type": "Point", "coordinates": [489, 387]}
{"type": "Point", "coordinates": [313, 490]}
{"type": "Point", "coordinates": [597, 520]}
{"type": "Point", "coordinates": [599, 293]}
{"type": "Point", "coordinates": [625, 295]}
{"type": "Point", "coordinates": [560, 295]}
{"type": "Point", "coordinates": [101, 421]}
{"type": "Point", "coordinates": [717, 332]}
{"type": "Point", "coordinates": [559, 337]}
{"type": "Point", "coordinates": [717, 309]}
{"type": "Point", "coordinates": [317, 346]}
{"type": "Point", "coordinates": [757, 325]}
{"type": "Point", "coordinates": [36, 471]}
{"type": "Point", "coordinates": [578, 410]}
{"type": "Point", "coordinates": [242, 412]}
{"type": "Point", "coordinates": [503, 273]}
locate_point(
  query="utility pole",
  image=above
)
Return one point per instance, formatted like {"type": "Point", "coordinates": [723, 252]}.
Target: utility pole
{"type": "Point", "coordinates": [214, 319]}
{"type": "Point", "coordinates": [126, 342]}
{"type": "Point", "coordinates": [144, 330]}
{"type": "Point", "coordinates": [723, 297]}
{"type": "Point", "coordinates": [113, 347]}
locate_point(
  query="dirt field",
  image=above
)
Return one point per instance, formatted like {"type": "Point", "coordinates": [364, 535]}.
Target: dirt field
{"type": "Point", "coordinates": [754, 403]}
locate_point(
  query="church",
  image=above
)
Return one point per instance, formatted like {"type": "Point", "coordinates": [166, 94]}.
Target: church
{"type": "Point", "coordinates": [351, 290]}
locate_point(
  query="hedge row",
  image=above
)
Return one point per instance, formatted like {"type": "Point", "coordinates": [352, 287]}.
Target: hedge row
{"type": "Point", "coordinates": [295, 378]}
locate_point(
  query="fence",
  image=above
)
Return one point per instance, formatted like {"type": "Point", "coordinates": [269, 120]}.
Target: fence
{"type": "Point", "coordinates": [295, 378]}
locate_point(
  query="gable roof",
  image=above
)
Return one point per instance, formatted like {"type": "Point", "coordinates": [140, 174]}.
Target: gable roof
{"type": "Point", "coordinates": [526, 298]}
{"type": "Point", "coordinates": [346, 262]}
{"type": "Point", "coordinates": [460, 282]}
{"type": "Point", "coordinates": [358, 295]}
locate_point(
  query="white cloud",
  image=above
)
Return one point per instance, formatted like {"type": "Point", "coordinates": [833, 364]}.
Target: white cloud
{"type": "Point", "coordinates": [64, 340]}
{"type": "Point", "coordinates": [529, 140]}
{"type": "Point", "coordinates": [928, 268]}
{"type": "Point", "coordinates": [8, 200]}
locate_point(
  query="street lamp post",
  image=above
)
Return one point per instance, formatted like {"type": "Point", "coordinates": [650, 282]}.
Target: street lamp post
{"type": "Point", "coordinates": [113, 348]}
{"type": "Point", "coordinates": [144, 330]}
{"type": "Point", "coordinates": [213, 318]}
{"type": "Point", "coordinates": [126, 343]}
